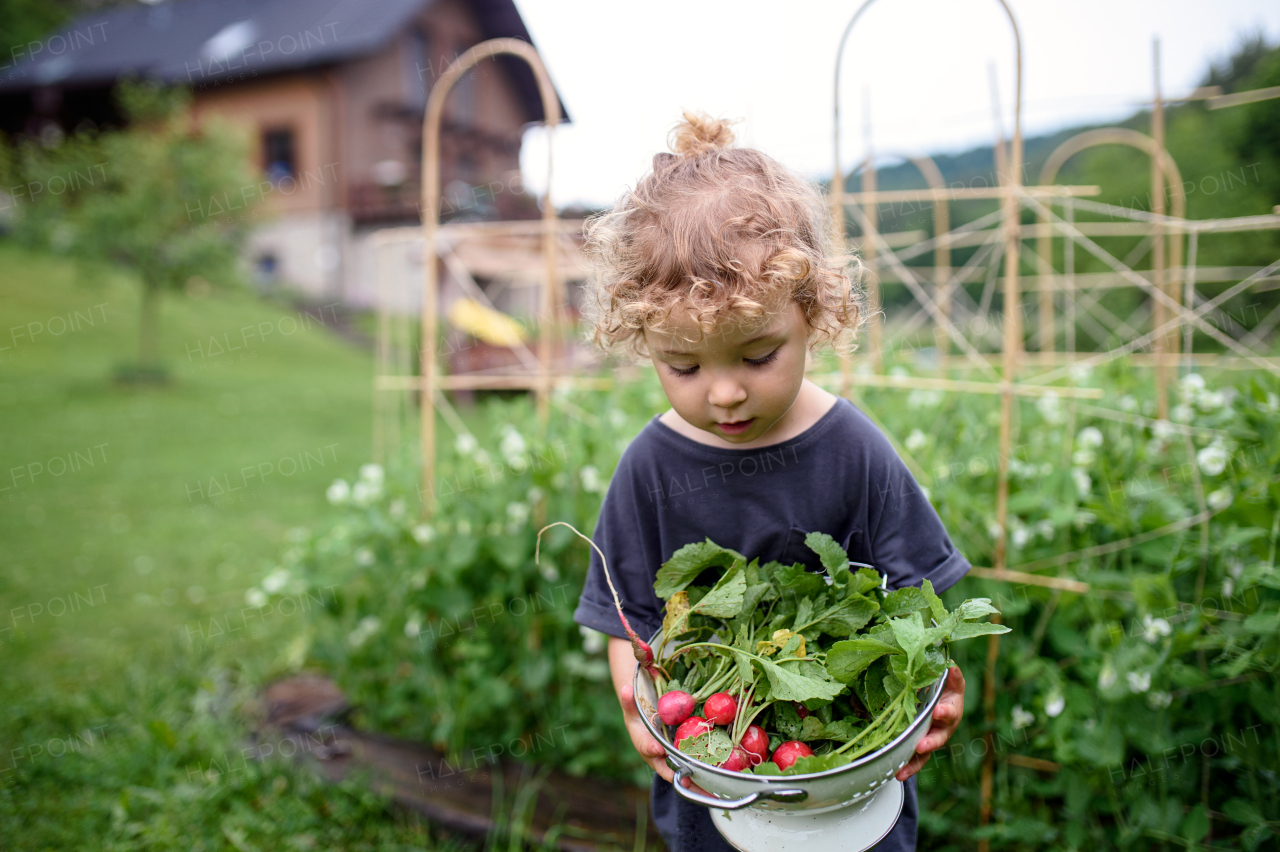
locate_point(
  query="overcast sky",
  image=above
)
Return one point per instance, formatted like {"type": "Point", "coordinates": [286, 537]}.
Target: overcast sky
{"type": "Point", "coordinates": [919, 68]}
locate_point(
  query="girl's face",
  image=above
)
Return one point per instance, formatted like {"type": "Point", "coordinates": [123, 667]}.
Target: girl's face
{"type": "Point", "coordinates": [737, 383]}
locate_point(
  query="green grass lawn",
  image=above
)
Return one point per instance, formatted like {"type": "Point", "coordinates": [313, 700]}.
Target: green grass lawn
{"type": "Point", "coordinates": [132, 517]}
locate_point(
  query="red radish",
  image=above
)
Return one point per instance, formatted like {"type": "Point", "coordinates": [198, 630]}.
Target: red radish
{"type": "Point", "coordinates": [694, 726]}
{"type": "Point", "coordinates": [737, 760]}
{"type": "Point", "coordinates": [639, 647]}
{"type": "Point", "coordinates": [756, 743]}
{"type": "Point", "coordinates": [721, 709]}
{"type": "Point", "coordinates": [789, 752]}
{"type": "Point", "coordinates": [675, 707]}
{"type": "Point", "coordinates": [802, 711]}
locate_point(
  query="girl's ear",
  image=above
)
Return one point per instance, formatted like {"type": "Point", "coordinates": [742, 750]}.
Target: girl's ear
{"type": "Point", "coordinates": [661, 161]}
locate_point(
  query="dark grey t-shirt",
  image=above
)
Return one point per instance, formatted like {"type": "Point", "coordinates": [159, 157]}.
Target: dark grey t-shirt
{"type": "Point", "coordinates": [841, 477]}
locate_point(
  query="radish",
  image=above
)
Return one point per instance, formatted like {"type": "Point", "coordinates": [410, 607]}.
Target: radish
{"type": "Point", "coordinates": [720, 709]}
{"type": "Point", "coordinates": [639, 647]}
{"type": "Point", "coordinates": [802, 711]}
{"type": "Point", "coordinates": [675, 707]}
{"type": "Point", "coordinates": [737, 760]}
{"type": "Point", "coordinates": [789, 752]}
{"type": "Point", "coordinates": [694, 726]}
{"type": "Point", "coordinates": [756, 743]}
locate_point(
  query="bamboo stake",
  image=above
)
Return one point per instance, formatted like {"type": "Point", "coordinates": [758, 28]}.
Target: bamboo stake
{"type": "Point", "coordinates": [1011, 344]}
{"type": "Point", "coordinates": [1161, 343]}
{"type": "Point", "coordinates": [431, 225]}
{"type": "Point", "coordinates": [871, 221]}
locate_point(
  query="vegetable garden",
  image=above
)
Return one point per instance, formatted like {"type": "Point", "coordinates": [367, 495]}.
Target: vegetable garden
{"type": "Point", "coordinates": [1142, 711]}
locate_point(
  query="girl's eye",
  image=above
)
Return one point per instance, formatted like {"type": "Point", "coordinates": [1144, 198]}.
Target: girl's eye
{"type": "Point", "coordinates": [683, 371]}
{"type": "Point", "coordinates": [760, 362]}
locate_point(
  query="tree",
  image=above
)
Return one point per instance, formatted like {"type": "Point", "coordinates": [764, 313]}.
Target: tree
{"type": "Point", "coordinates": [150, 198]}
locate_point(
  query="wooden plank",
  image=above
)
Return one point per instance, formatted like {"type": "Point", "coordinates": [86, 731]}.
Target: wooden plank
{"type": "Point", "coordinates": [968, 193]}
{"type": "Point", "coordinates": [1009, 576]}
{"type": "Point", "coordinates": [481, 381]}
{"type": "Point", "coordinates": [960, 386]}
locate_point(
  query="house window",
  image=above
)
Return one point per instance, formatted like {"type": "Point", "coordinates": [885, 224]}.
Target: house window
{"type": "Point", "coordinates": [279, 159]}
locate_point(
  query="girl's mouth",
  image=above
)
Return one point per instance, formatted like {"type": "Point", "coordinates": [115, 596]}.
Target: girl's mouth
{"type": "Point", "coordinates": [735, 428]}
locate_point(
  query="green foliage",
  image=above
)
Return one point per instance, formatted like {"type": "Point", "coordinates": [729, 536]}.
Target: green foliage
{"type": "Point", "coordinates": [141, 199]}
{"type": "Point", "coordinates": [1107, 685]}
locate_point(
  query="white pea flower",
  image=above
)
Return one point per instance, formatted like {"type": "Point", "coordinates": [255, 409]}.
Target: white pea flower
{"type": "Point", "coordinates": [1082, 480]}
{"type": "Point", "coordinates": [593, 641]}
{"type": "Point", "coordinates": [1106, 677]}
{"type": "Point", "coordinates": [365, 493]}
{"type": "Point", "coordinates": [1212, 459]}
{"type": "Point", "coordinates": [1191, 384]}
{"type": "Point", "coordinates": [1084, 520]}
{"type": "Point", "coordinates": [339, 492]}
{"type": "Point", "coordinates": [517, 514]}
{"type": "Point", "coordinates": [1210, 400]}
{"type": "Point", "coordinates": [1181, 413]}
{"type": "Point", "coordinates": [413, 626]}
{"type": "Point", "coordinates": [1219, 499]}
{"type": "Point", "coordinates": [1128, 403]}
{"type": "Point", "coordinates": [364, 557]}
{"type": "Point", "coordinates": [1020, 536]}
{"type": "Point", "coordinates": [1083, 457]}
{"type": "Point", "coordinates": [466, 444]}
{"type": "Point", "coordinates": [591, 480]}
{"type": "Point", "coordinates": [924, 398]}
{"type": "Point", "coordinates": [1228, 586]}
{"type": "Point", "coordinates": [1159, 700]}
{"type": "Point", "coordinates": [1090, 437]}
{"type": "Point", "coordinates": [1045, 529]}
{"type": "Point", "coordinates": [915, 441]}
{"type": "Point", "coordinates": [423, 533]}
{"type": "Point", "coordinates": [1138, 681]}
{"type": "Point", "coordinates": [368, 626]}
{"type": "Point", "coordinates": [1163, 430]}
{"type": "Point", "coordinates": [535, 495]}
{"type": "Point", "coordinates": [255, 597]}
{"type": "Point", "coordinates": [1021, 718]}
{"type": "Point", "coordinates": [1153, 629]}
{"type": "Point", "coordinates": [275, 581]}
{"type": "Point", "coordinates": [396, 509]}
{"type": "Point", "coordinates": [372, 474]}
{"type": "Point", "coordinates": [1050, 408]}
{"type": "Point", "coordinates": [1080, 372]}
{"type": "Point", "coordinates": [513, 447]}
{"type": "Point", "coordinates": [548, 572]}
{"type": "Point", "coordinates": [1054, 705]}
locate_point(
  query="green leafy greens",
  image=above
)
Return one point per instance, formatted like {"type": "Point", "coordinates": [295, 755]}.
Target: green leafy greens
{"type": "Point", "coordinates": [832, 660]}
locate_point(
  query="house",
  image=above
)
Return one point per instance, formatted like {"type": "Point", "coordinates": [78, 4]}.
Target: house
{"type": "Point", "coordinates": [333, 94]}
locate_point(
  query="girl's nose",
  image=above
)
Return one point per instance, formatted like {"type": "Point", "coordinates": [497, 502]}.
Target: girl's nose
{"type": "Point", "coordinates": [726, 393]}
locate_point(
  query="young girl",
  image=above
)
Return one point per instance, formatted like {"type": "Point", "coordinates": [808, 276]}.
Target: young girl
{"type": "Point", "coordinates": [715, 268]}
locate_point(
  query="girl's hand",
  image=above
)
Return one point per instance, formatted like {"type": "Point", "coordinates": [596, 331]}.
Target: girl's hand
{"type": "Point", "coordinates": [650, 749]}
{"type": "Point", "coordinates": [622, 667]}
{"type": "Point", "coordinates": [946, 716]}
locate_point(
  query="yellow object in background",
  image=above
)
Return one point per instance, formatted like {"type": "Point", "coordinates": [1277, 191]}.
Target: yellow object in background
{"type": "Point", "coordinates": [485, 324]}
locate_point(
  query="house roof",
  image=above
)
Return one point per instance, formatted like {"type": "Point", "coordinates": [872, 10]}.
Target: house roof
{"type": "Point", "coordinates": [190, 42]}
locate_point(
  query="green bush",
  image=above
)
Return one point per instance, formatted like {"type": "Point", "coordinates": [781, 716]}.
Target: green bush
{"type": "Point", "coordinates": [1175, 645]}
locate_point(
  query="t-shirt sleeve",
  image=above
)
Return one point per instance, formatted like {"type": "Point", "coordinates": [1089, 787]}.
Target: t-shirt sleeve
{"type": "Point", "coordinates": [628, 538]}
{"type": "Point", "coordinates": [908, 541]}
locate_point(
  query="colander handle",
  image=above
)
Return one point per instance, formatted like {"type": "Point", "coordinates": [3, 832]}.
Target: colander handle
{"type": "Point", "coordinates": [732, 804]}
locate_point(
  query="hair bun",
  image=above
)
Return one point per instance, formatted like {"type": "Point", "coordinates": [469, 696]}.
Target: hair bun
{"type": "Point", "coordinates": [700, 134]}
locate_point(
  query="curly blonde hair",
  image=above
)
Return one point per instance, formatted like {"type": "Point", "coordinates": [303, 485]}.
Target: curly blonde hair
{"type": "Point", "coordinates": [723, 232]}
